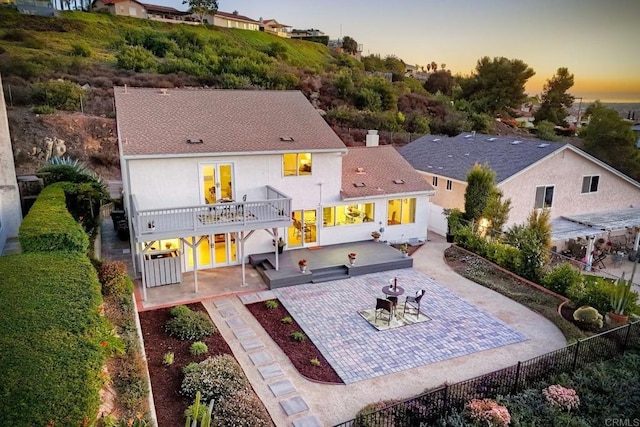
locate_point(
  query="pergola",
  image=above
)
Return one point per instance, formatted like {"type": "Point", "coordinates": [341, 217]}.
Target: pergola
{"type": "Point", "coordinates": [592, 224]}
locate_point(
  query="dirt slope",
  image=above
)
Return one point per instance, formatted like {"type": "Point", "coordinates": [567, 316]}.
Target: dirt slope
{"type": "Point", "coordinates": [90, 139]}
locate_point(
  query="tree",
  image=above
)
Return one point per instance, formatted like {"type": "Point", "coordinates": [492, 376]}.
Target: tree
{"type": "Point", "coordinates": [497, 85]}
{"type": "Point", "coordinates": [440, 81]}
{"type": "Point", "coordinates": [496, 212]}
{"type": "Point", "coordinates": [434, 66]}
{"type": "Point", "coordinates": [545, 130]}
{"type": "Point", "coordinates": [609, 138]}
{"type": "Point", "coordinates": [202, 7]}
{"type": "Point", "coordinates": [480, 188]}
{"type": "Point", "coordinates": [349, 45]}
{"type": "Point", "coordinates": [555, 99]}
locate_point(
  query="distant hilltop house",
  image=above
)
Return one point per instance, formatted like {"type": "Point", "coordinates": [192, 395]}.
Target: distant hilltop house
{"type": "Point", "coordinates": [137, 9]}
{"type": "Point", "coordinates": [336, 46]}
{"type": "Point", "coordinates": [310, 35]}
{"type": "Point", "coordinates": [274, 27]}
{"type": "Point", "coordinates": [232, 20]}
{"type": "Point", "coordinates": [33, 7]}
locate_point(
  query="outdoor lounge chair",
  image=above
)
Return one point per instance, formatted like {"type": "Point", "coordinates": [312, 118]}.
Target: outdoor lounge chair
{"type": "Point", "coordinates": [383, 305]}
{"type": "Point", "coordinates": [413, 303]}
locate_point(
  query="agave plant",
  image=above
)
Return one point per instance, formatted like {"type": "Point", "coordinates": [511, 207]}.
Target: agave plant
{"type": "Point", "coordinates": [621, 296]}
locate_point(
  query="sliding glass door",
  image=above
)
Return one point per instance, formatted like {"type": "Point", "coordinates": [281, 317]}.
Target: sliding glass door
{"type": "Point", "coordinates": [217, 182]}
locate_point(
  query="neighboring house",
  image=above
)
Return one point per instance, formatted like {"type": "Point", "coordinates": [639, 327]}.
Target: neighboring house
{"type": "Point", "coordinates": [636, 129]}
{"type": "Point", "coordinates": [301, 34]}
{"type": "Point", "coordinates": [36, 7]}
{"type": "Point", "coordinates": [166, 14]}
{"type": "Point", "coordinates": [224, 173]}
{"type": "Point", "coordinates": [274, 27]}
{"type": "Point", "coordinates": [121, 7]}
{"type": "Point", "coordinates": [233, 20]}
{"type": "Point", "coordinates": [534, 174]}
{"type": "Point", "coordinates": [10, 211]}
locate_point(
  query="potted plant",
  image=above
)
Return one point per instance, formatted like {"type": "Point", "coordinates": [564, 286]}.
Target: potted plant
{"type": "Point", "coordinates": [621, 298]}
{"type": "Point", "coordinates": [375, 235]}
{"type": "Point", "coordinates": [281, 244]}
{"type": "Point", "coordinates": [303, 265]}
{"type": "Point", "coordinates": [454, 217]}
{"type": "Point", "coordinates": [404, 249]}
{"type": "Point", "coordinates": [352, 258]}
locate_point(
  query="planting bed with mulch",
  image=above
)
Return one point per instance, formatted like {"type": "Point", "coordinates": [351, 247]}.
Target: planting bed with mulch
{"type": "Point", "coordinates": [299, 352]}
{"type": "Point", "coordinates": [166, 380]}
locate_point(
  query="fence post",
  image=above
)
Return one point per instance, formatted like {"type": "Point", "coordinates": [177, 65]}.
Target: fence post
{"type": "Point", "coordinates": [515, 384]}
{"type": "Point", "coordinates": [445, 400]}
{"type": "Point", "coordinates": [575, 356]}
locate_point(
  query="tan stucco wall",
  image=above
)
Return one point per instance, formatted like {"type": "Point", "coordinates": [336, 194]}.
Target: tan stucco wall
{"type": "Point", "coordinates": [453, 198]}
{"type": "Point", "coordinates": [122, 8]}
{"type": "Point", "coordinates": [565, 171]}
{"type": "Point", "coordinates": [220, 21]}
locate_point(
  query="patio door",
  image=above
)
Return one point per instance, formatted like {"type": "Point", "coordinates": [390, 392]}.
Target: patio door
{"type": "Point", "coordinates": [216, 250]}
{"type": "Point", "coordinates": [217, 182]}
{"type": "Point", "coordinates": [303, 232]}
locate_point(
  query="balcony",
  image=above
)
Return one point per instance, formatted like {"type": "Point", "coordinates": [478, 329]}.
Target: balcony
{"type": "Point", "coordinates": [170, 223]}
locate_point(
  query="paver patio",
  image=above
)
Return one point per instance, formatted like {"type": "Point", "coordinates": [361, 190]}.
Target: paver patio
{"type": "Point", "coordinates": [328, 314]}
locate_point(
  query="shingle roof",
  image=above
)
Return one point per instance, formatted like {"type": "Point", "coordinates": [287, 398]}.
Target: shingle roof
{"type": "Point", "coordinates": [157, 8]}
{"type": "Point", "coordinates": [236, 17]}
{"type": "Point", "coordinates": [160, 121]}
{"type": "Point", "coordinates": [454, 157]}
{"type": "Point", "coordinates": [379, 167]}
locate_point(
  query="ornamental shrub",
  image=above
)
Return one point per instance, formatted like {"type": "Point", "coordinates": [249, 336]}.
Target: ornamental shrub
{"type": "Point", "coordinates": [62, 95]}
{"type": "Point", "coordinates": [369, 416]}
{"type": "Point", "coordinates": [113, 277]}
{"type": "Point", "coordinates": [487, 412]}
{"type": "Point", "coordinates": [217, 377]}
{"type": "Point", "coordinates": [242, 408]}
{"type": "Point", "coordinates": [561, 278]}
{"type": "Point", "coordinates": [591, 290]}
{"type": "Point", "coordinates": [562, 398]}
{"type": "Point", "coordinates": [193, 325]}
{"type": "Point", "coordinates": [198, 348]}
{"type": "Point", "coordinates": [588, 317]}
{"type": "Point", "coordinates": [179, 310]}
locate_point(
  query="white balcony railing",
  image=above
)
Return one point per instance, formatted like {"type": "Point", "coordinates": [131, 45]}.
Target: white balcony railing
{"type": "Point", "coordinates": [209, 219]}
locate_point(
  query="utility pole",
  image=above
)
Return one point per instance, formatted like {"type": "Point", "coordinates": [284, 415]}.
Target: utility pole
{"type": "Point", "coordinates": [579, 111]}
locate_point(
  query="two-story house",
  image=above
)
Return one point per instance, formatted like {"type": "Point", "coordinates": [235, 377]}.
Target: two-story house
{"type": "Point", "coordinates": [214, 175]}
{"type": "Point", "coordinates": [533, 173]}
{"type": "Point", "coordinates": [274, 27]}
{"type": "Point", "coordinates": [232, 20]}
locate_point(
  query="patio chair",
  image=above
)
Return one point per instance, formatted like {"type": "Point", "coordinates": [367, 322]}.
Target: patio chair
{"type": "Point", "coordinates": [413, 303]}
{"type": "Point", "coordinates": [598, 260]}
{"type": "Point", "coordinates": [394, 302]}
{"type": "Point", "coordinates": [383, 305]}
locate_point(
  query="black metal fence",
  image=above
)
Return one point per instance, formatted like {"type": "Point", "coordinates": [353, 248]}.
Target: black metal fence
{"type": "Point", "coordinates": [426, 408]}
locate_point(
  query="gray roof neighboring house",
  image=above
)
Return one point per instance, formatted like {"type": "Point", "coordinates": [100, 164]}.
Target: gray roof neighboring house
{"type": "Point", "coordinates": [159, 122]}
{"type": "Point", "coordinates": [453, 157]}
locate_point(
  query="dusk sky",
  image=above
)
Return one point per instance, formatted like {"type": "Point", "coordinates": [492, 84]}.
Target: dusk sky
{"type": "Point", "coordinates": [597, 40]}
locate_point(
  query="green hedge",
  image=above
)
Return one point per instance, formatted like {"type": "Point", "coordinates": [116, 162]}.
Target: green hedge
{"type": "Point", "coordinates": [50, 227]}
{"type": "Point", "coordinates": [51, 349]}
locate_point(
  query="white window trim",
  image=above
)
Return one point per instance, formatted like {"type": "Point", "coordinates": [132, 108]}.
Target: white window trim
{"type": "Point", "coordinates": [552, 199]}
{"type": "Point", "coordinates": [590, 180]}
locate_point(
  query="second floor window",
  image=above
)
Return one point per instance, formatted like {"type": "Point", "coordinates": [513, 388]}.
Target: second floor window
{"type": "Point", "coordinates": [434, 181]}
{"type": "Point", "coordinates": [449, 184]}
{"type": "Point", "coordinates": [590, 184]}
{"type": "Point", "coordinates": [544, 197]}
{"type": "Point", "coordinates": [295, 164]}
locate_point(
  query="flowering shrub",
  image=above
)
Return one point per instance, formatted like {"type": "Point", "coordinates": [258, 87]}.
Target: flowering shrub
{"type": "Point", "coordinates": [242, 408]}
{"type": "Point", "coordinates": [561, 397]}
{"type": "Point", "coordinates": [216, 378]}
{"type": "Point", "coordinates": [487, 412]}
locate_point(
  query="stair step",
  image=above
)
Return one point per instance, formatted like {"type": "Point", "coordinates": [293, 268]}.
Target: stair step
{"type": "Point", "coordinates": [328, 278]}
